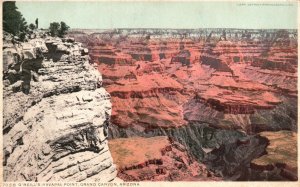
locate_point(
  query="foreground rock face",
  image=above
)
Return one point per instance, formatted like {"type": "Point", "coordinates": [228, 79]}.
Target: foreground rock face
{"type": "Point", "coordinates": [56, 130]}
{"type": "Point", "coordinates": [213, 91]}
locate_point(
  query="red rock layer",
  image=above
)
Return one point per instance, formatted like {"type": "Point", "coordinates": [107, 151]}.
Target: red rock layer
{"type": "Point", "coordinates": [156, 159]}
{"type": "Point", "coordinates": [151, 78]}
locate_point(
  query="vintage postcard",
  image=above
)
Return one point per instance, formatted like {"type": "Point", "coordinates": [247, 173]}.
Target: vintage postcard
{"type": "Point", "coordinates": [145, 93]}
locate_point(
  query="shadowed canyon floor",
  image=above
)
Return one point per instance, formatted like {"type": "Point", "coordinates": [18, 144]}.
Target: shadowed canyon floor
{"type": "Point", "coordinates": [228, 97]}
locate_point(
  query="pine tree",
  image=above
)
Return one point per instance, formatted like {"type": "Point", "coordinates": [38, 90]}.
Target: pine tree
{"type": "Point", "coordinates": [54, 28]}
{"type": "Point", "coordinates": [13, 20]}
{"type": "Point", "coordinates": [63, 29]}
{"type": "Point", "coordinates": [31, 26]}
{"type": "Point", "coordinates": [57, 29]}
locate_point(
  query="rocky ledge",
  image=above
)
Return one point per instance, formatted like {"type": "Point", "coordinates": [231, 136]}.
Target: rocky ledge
{"type": "Point", "coordinates": [280, 160]}
{"type": "Point", "coordinates": [158, 158]}
{"type": "Point", "coordinates": [56, 113]}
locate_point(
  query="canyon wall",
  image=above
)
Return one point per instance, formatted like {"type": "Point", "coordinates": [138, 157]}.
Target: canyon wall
{"type": "Point", "coordinates": [215, 91]}
{"type": "Point", "coordinates": [56, 113]}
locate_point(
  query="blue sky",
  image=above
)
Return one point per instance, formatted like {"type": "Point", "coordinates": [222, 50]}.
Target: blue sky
{"type": "Point", "coordinates": [107, 15]}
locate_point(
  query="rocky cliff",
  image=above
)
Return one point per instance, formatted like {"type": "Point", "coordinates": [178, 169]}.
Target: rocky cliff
{"type": "Point", "coordinates": [56, 113]}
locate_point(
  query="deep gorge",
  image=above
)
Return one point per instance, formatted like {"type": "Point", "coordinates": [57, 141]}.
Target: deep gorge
{"type": "Point", "coordinates": [215, 96]}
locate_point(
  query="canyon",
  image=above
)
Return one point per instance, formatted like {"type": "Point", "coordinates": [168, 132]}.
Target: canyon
{"type": "Point", "coordinates": [226, 97]}
{"type": "Point", "coordinates": [151, 105]}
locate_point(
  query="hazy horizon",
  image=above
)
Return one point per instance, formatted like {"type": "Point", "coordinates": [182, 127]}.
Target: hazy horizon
{"type": "Point", "coordinates": [175, 29]}
{"type": "Point", "coordinates": [163, 15]}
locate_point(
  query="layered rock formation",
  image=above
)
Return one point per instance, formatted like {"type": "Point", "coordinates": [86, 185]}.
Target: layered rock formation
{"type": "Point", "coordinates": [281, 158]}
{"type": "Point", "coordinates": [179, 83]}
{"type": "Point", "coordinates": [224, 81]}
{"type": "Point", "coordinates": [156, 159]}
{"type": "Point", "coordinates": [56, 114]}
